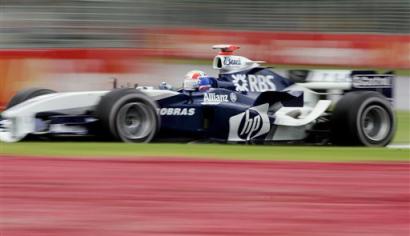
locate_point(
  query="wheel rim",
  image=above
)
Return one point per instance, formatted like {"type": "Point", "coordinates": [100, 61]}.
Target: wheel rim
{"type": "Point", "coordinates": [134, 121]}
{"type": "Point", "coordinates": [376, 123]}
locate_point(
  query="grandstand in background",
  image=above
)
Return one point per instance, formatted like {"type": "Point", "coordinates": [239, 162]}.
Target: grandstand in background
{"type": "Point", "coordinates": [121, 23]}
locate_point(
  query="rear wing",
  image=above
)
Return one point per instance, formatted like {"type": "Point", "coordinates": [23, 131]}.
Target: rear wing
{"type": "Point", "coordinates": [346, 80]}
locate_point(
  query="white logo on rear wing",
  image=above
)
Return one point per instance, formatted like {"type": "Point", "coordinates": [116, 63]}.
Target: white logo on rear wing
{"type": "Point", "coordinates": [372, 81]}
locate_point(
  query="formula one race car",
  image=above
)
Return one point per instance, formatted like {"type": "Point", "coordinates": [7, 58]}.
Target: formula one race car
{"type": "Point", "coordinates": [246, 103]}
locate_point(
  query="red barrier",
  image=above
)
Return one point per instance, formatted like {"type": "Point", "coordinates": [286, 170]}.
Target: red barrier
{"type": "Point", "coordinates": [78, 53]}
{"type": "Point", "coordinates": [356, 50]}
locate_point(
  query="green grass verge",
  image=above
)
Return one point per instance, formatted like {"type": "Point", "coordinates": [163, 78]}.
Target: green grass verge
{"type": "Point", "coordinates": [403, 128]}
{"type": "Point", "coordinates": [213, 151]}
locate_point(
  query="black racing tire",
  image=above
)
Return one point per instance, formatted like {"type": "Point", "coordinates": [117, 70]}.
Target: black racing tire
{"type": "Point", "coordinates": [27, 94]}
{"type": "Point", "coordinates": [362, 118]}
{"type": "Point", "coordinates": [128, 115]}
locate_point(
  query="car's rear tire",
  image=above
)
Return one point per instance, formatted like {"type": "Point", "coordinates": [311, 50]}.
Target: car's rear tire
{"type": "Point", "coordinates": [362, 118]}
{"type": "Point", "coordinates": [129, 115]}
{"type": "Point", "coordinates": [27, 94]}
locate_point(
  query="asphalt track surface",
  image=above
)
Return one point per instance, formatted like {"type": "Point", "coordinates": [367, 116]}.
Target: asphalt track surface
{"type": "Point", "coordinates": [56, 196]}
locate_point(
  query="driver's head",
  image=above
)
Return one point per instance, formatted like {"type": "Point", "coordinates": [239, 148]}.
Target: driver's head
{"type": "Point", "coordinates": [192, 80]}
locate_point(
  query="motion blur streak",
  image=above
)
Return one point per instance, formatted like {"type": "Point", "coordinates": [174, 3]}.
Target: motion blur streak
{"type": "Point", "coordinates": [45, 196]}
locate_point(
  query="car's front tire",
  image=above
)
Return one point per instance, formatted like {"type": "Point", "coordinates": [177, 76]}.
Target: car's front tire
{"type": "Point", "coordinates": [362, 118]}
{"type": "Point", "coordinates": [26, 94]}
{"type": "Point", "coordinates": [129, 115]}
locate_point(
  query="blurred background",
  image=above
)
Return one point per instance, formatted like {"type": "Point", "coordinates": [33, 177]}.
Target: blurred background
{"type": "Point", "coordinates": [73, 45]}
{"type": "Point", "coordinates": [83, 44]}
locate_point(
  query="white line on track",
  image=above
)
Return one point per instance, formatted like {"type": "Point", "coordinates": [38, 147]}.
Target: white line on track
{"type": "Point", "coordinates": [399, 146]}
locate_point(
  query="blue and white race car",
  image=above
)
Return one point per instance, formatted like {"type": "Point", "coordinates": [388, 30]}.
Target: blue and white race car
{"type": "Point", "coordinates": [246, 103]}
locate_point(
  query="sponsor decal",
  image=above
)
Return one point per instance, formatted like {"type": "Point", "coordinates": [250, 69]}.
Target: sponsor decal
{"type": "Point", "coordinates": [329, 76]}
{"type": "Point", "coordinates": [213, 98]}
{"type": "Point", "coordinates": [69, 129]}
{"type": "Point", "coordinates": [250, 124]}
{"type": "Point", "coordinates": [90, 119]}
{"type": "Point", "coordinates": [233, 97]}
{"type": "Point", "coordinates": [253, 83]}
{"type": "Point", "coordinates": [372, 81]}
{"type": "Point", "coordinates": [231, 61]}
{"type": "Point", "coordinates": [171, 111]}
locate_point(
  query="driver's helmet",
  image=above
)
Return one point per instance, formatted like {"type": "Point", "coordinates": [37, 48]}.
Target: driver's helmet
{"type": "Point", "coordinates": [195, 80]}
